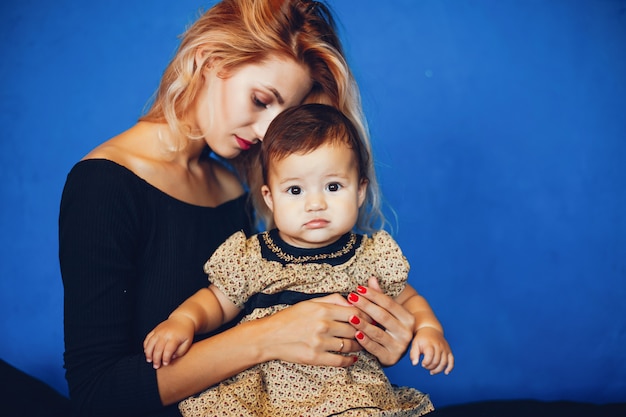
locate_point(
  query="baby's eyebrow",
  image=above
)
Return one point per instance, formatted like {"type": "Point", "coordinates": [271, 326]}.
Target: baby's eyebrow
{"type": "Point", "coordinates": [295, 180]}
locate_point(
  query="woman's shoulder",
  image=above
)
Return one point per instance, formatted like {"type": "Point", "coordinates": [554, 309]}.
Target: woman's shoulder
{"type": "Point", "coordinates": [99, 171]}
{"type": "Point", "coordinates": [140, 159]}
{"type": "Point", "coordinates": [119, 148]}
{"type": "Point", "coordinates": [102, 171]}
{"type": "Point", "coordinates": [102, 185]}
{"type": "Point", "coordinates": [106, 174]}
{"type": "Point", "coordinates": [111, 157]}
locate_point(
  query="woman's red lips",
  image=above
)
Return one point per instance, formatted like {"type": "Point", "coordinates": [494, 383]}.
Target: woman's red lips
{"type": "Point", "coordinates": [243, 144]}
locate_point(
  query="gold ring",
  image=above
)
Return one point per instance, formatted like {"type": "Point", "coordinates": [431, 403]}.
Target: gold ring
{"type": "Point", "coordinates": [341, 347]}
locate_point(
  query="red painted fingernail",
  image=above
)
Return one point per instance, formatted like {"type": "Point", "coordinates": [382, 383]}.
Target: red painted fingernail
{"type": "Point", "coordinates": [361, 289]}
{"type": "Point", "coordinates": [360, 335]}
{"type": "Point", "coordinates": [353, 298]}
{"type": "Point", "coordinates": [354, 358]}
{"type": "Point", "coordinates": [355, 320]}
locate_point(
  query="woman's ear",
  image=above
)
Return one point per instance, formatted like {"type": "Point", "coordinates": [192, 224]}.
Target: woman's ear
{"type": "Point", "coordinates": [203, 60]}
{"type": "Point", "coordinates": [267, 196]}
{"type": "Point", "coordinates": [200, 57]}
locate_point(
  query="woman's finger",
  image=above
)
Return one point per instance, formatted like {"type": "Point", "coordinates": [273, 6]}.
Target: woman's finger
{"type": "Point", "coordinates": [386, 304]}
{"type": "Point", "coordinates": [389, 343]}
{"type": "Point", "coordinates": [385, 312]}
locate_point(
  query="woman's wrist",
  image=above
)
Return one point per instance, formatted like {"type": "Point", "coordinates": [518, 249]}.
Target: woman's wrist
{"type": "Point", "coordinates": [256, 336]}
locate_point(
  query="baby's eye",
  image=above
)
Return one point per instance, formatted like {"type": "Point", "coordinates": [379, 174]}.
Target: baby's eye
{"type": "Point", "coordinates": [333, 186]}
{"type": "Point", "coordinates": [294, 190]}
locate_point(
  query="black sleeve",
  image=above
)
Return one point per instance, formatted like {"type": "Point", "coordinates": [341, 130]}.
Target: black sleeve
{"type": "Point", "coordinates": [98, 233]}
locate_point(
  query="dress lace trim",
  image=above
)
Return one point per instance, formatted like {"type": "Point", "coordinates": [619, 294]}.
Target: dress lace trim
{"type": "Point", "coordinates": [269, 242]}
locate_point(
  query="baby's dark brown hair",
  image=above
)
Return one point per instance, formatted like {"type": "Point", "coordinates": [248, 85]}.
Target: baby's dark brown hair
{"type": "Point", "coordinates": [302, 129]}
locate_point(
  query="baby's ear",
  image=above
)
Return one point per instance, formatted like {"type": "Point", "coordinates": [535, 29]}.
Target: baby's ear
{"type": "Point", "coordinates": [267, 197]}
{"type": "Point", "coordinates": [362, 190]}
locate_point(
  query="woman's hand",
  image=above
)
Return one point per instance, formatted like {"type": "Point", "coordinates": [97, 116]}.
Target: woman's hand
{"type": "Point", "coordinates": [390, 342]}
{"type": "Point", "coordinates": [314, 332]}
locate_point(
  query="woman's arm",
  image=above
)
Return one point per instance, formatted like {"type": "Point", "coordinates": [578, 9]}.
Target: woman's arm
{"type": "Point", "coordinates": [97, 237]}
{"type": "Point", "coordinates": [309, 332]}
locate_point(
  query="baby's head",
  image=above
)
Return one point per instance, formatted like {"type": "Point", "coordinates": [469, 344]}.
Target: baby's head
{"type": "Point", "coordinates": [302, 129]}
{"type": "Point", "coordinates": [314, 168]}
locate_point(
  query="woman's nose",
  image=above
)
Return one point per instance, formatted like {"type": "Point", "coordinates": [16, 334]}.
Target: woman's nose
{"type": "Point", "coordinates": [261, 125]}
{"type": "Point", "coordinates": [259, 131]}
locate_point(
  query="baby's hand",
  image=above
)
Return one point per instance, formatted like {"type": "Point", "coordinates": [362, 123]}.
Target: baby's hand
{"type": "Point", "coordinates": [169, 340]}
{"type": "Point", "coordinates": [429, 341]}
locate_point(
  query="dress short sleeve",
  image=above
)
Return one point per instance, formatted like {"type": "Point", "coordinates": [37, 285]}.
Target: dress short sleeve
{"type": "Point", "coordinates": [234, 266]}
{"type": "Point", "coordinates": [391, 266]}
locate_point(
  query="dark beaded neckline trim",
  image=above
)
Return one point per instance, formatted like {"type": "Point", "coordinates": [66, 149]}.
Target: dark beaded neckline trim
{"type": "Point", "coordinates": [279, 253]}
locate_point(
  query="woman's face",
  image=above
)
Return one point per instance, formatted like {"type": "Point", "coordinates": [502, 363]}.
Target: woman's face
{"type": "Point", "coordinates": [233, 112]}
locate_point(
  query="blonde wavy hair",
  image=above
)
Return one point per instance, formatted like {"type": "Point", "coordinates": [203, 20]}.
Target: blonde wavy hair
{"type": "Point", "coordinates": [241, 32]}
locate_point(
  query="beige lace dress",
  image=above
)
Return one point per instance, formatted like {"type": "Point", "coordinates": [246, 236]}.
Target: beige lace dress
{"type": "Point", "coordinates": [263, 275]}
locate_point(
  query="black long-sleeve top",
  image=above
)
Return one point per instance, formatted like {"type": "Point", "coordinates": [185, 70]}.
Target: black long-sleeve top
{"type": "Point", "coordinates": [129, 255]}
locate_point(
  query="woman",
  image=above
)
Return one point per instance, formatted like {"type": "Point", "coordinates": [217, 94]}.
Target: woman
{"type": "Point", "coordinates": [141, 213]}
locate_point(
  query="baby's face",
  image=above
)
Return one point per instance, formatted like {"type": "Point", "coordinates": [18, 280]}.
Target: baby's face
{"type": "Point", "coordinates": [315, 197]}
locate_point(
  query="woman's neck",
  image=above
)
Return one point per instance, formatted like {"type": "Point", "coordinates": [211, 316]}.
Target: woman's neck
{"type": "Point", "coordinates": [173, 148]}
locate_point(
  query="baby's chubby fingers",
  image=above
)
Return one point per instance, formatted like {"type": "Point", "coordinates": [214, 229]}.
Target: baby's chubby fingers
{"type": "Point", "coordinates": [434, 350]}
{"type": "Point", "coordinates": [432, 360]}
{"type": "Point", "coordinates": [450, 363]}
{"type": "Point", "coordinates": [427, 353]}
{"type": "Point", "coordinates": [148, 346]}
{"type": "Point", "coordinates": [445, 365]}
{"type": "Point", "coordinates": [172, 350]}
{"type": "Point", "coordinates": [157, 352]}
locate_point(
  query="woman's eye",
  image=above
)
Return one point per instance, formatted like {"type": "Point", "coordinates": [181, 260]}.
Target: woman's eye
{"type": "Point", "coordinates": [258, 102]}
{"type": "Point", "coordinates": [294, 190]}
{"type": "Point", "coordinates": [334, 186]}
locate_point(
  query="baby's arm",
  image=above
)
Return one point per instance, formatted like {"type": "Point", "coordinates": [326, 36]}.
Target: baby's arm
{"type": "Point", "coordinates": [428, 339]}
{"type": "Point", "coordinates": [204, 311]}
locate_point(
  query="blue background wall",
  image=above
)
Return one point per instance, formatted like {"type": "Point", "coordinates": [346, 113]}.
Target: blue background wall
{"type": "Point", "coordinates": [500, 135]}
